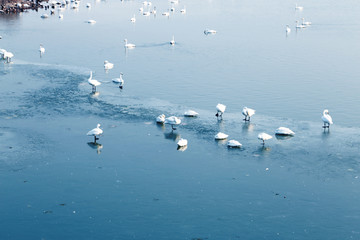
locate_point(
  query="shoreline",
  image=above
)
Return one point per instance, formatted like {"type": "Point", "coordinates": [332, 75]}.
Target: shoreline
{"type": "Point", "coordinates": [15, 7]}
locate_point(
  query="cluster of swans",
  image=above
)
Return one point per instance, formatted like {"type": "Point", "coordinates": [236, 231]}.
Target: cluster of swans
{"type": "Point", "coordinates": [94, 83]}
{"type": "Point", "coordinates": [146, 11]}
{"type": "Point", "coordinates": [247, 112]}
{"type": "Point", "coordinates": [299, 25]}
{"type": "Point", "coordinates": [6, 55]}
{"type": "Point", "coordinates": [174, 121]}
{"type": "Point", "coordinates": [61, 5]}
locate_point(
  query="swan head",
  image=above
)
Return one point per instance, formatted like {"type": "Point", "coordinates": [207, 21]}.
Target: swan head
{"type": "Point", "coordinates": [98, 125]}
{"type": "Point", "coordinates": [106, 61]}
{"type": "Point", "coordinates": [326, 112]}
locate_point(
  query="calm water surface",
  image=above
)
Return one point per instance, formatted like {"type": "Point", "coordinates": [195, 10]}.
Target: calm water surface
{"type": "Point", "coordinates": [56, 184]}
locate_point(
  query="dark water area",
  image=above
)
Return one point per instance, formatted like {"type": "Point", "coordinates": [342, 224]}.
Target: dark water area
{"type": "Point", "coordinates": [55, 183]}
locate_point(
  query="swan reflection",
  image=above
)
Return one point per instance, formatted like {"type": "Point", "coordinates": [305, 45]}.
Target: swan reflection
{"type": "Point", "coordinates": [96, 146]}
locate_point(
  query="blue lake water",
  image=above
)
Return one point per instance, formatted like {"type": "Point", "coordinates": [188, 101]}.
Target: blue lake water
{"type": "Point", "coordinates": [134, 184]}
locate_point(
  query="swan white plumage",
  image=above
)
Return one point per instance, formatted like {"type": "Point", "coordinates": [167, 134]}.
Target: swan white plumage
{"type": "Point", "coordinates": [173, 121]}
{"type": "Point", "coordinates": [133, 19]}
{"type": "Point", "coordinates": [141, 9]}
{"type": "Point", "coordinates": [299, 25]}
{"type": "Point", "coordinates": [305, 23]}
{"type": "Point", "coordinates": [182, 142]}
{"type": "Point", "coordinates": [234, 144]}
{"type": "Point", "coordinates": [94, 83]}
{"type": "Point", "coordinates": [128, 45]}
{"type": "Point", "coordinates": [2, 53]}
{"type": "Point", "coordinates": [299, 8]}
{"type": "Point", "coordinates": [327, 119]}
{"type": "Point", "coordinates": [160, 118]}
{"type": "Point", "coordinates": [191, 113]}
{"type": "Point", "coordinates": [119, 80]}
{"type": "Point", "coordinates": [183, 11]}
{"type": "Point", "coordinates": [221, 136]}
{"type": "Point", "coordinates": [288, 29]}
{"type": "Point", "coordinates": [264, 136]}
{"type": "Point", "coordinates": [41, 49]}
{"type": "Point", "coordinates": [91, 21]}
{"type": "Point", "coordinates": [247, 112]}
{"type": "Point", "coordinates": [61, 16]}
{"type": "Point", "coordinates": [172, 42]}
{"type": "Point", "coordinates": [220, 110]}
{"type": "Point", "coordinates": [153, 11]}
{"type": "Point", "coordinates": [95, 132]}
{"type": "Point", "coordinates": [209, 31]}
{"type": "Point", "coordinates": [108, 65]}
{"type": "Point", "coordinates": [8, 56]}
{"type": "Point", "coordinates": [284, 131]}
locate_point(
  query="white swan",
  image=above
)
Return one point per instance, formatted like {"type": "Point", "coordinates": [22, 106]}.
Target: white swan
{"type": "Point", "coordinates": [91, 21]}
{"type": "Point", "coordinates": [133, 19]}
{"type": "Point", "coordinates": [264, 136]}
{"type": "Point", "coordinates": [160, 118]}
{"type": "Point", "coordinates": [209, 31]}
{"type": "Point", "coordinates": [61, 16]}
{"type": "Point", "coordinates": [221, 136]}
{"type": "Point", "coordinates": [108, 65]}
{"type": "Point", "coordinates": [298, 8]}
{"type": "Point", "coordinates": [141, 9]}
{"type": "Point", "coordinates": [247, 112]}
{"type": "Point", "coordinates": [147, 13]}
{"type": "Point", "coordinates": [284, 131]}
{"type": "Point", "coordinates": [128, 45]}
{"type": "Point", "coordinates": [327, 119]}
{"type": "Point", "coordinates": [95, 132]}
{"type": "Point", "coordinates": [41, 49]}
{"type": "Point", "coordinates": [8, 56]}
{"type": "Point", "coordinates": [88, 5]}
{"type": "Point", "coordinates": [183, 11]}
{"type": "Point", "coordinates": [288, 29]}
{"type": "Point", "coordinates": [191, 113]}
{"type": "Point", "coordinates": [220, 110]}
{"type": "Point", "coordinates": [172, 42]}
{"type": "Point", "coordinates": [153, 11]}
{"type": "Point", "coordinates": [234, 144]}
{"type": "Point", "coordinates": [305, 23]}
{"type": "Point", "coordinates": [299, 25]}
{"type": "Point", "coordinates": [94, 83]}
{"type": "Point", "coordinates": [173, 121]}
{"type": "Point", "coordinates": [172, 9]}
{"type": "Point", "coordinates": [182, 142]}
{"type": "Point", "coordinates": [119, 80]}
